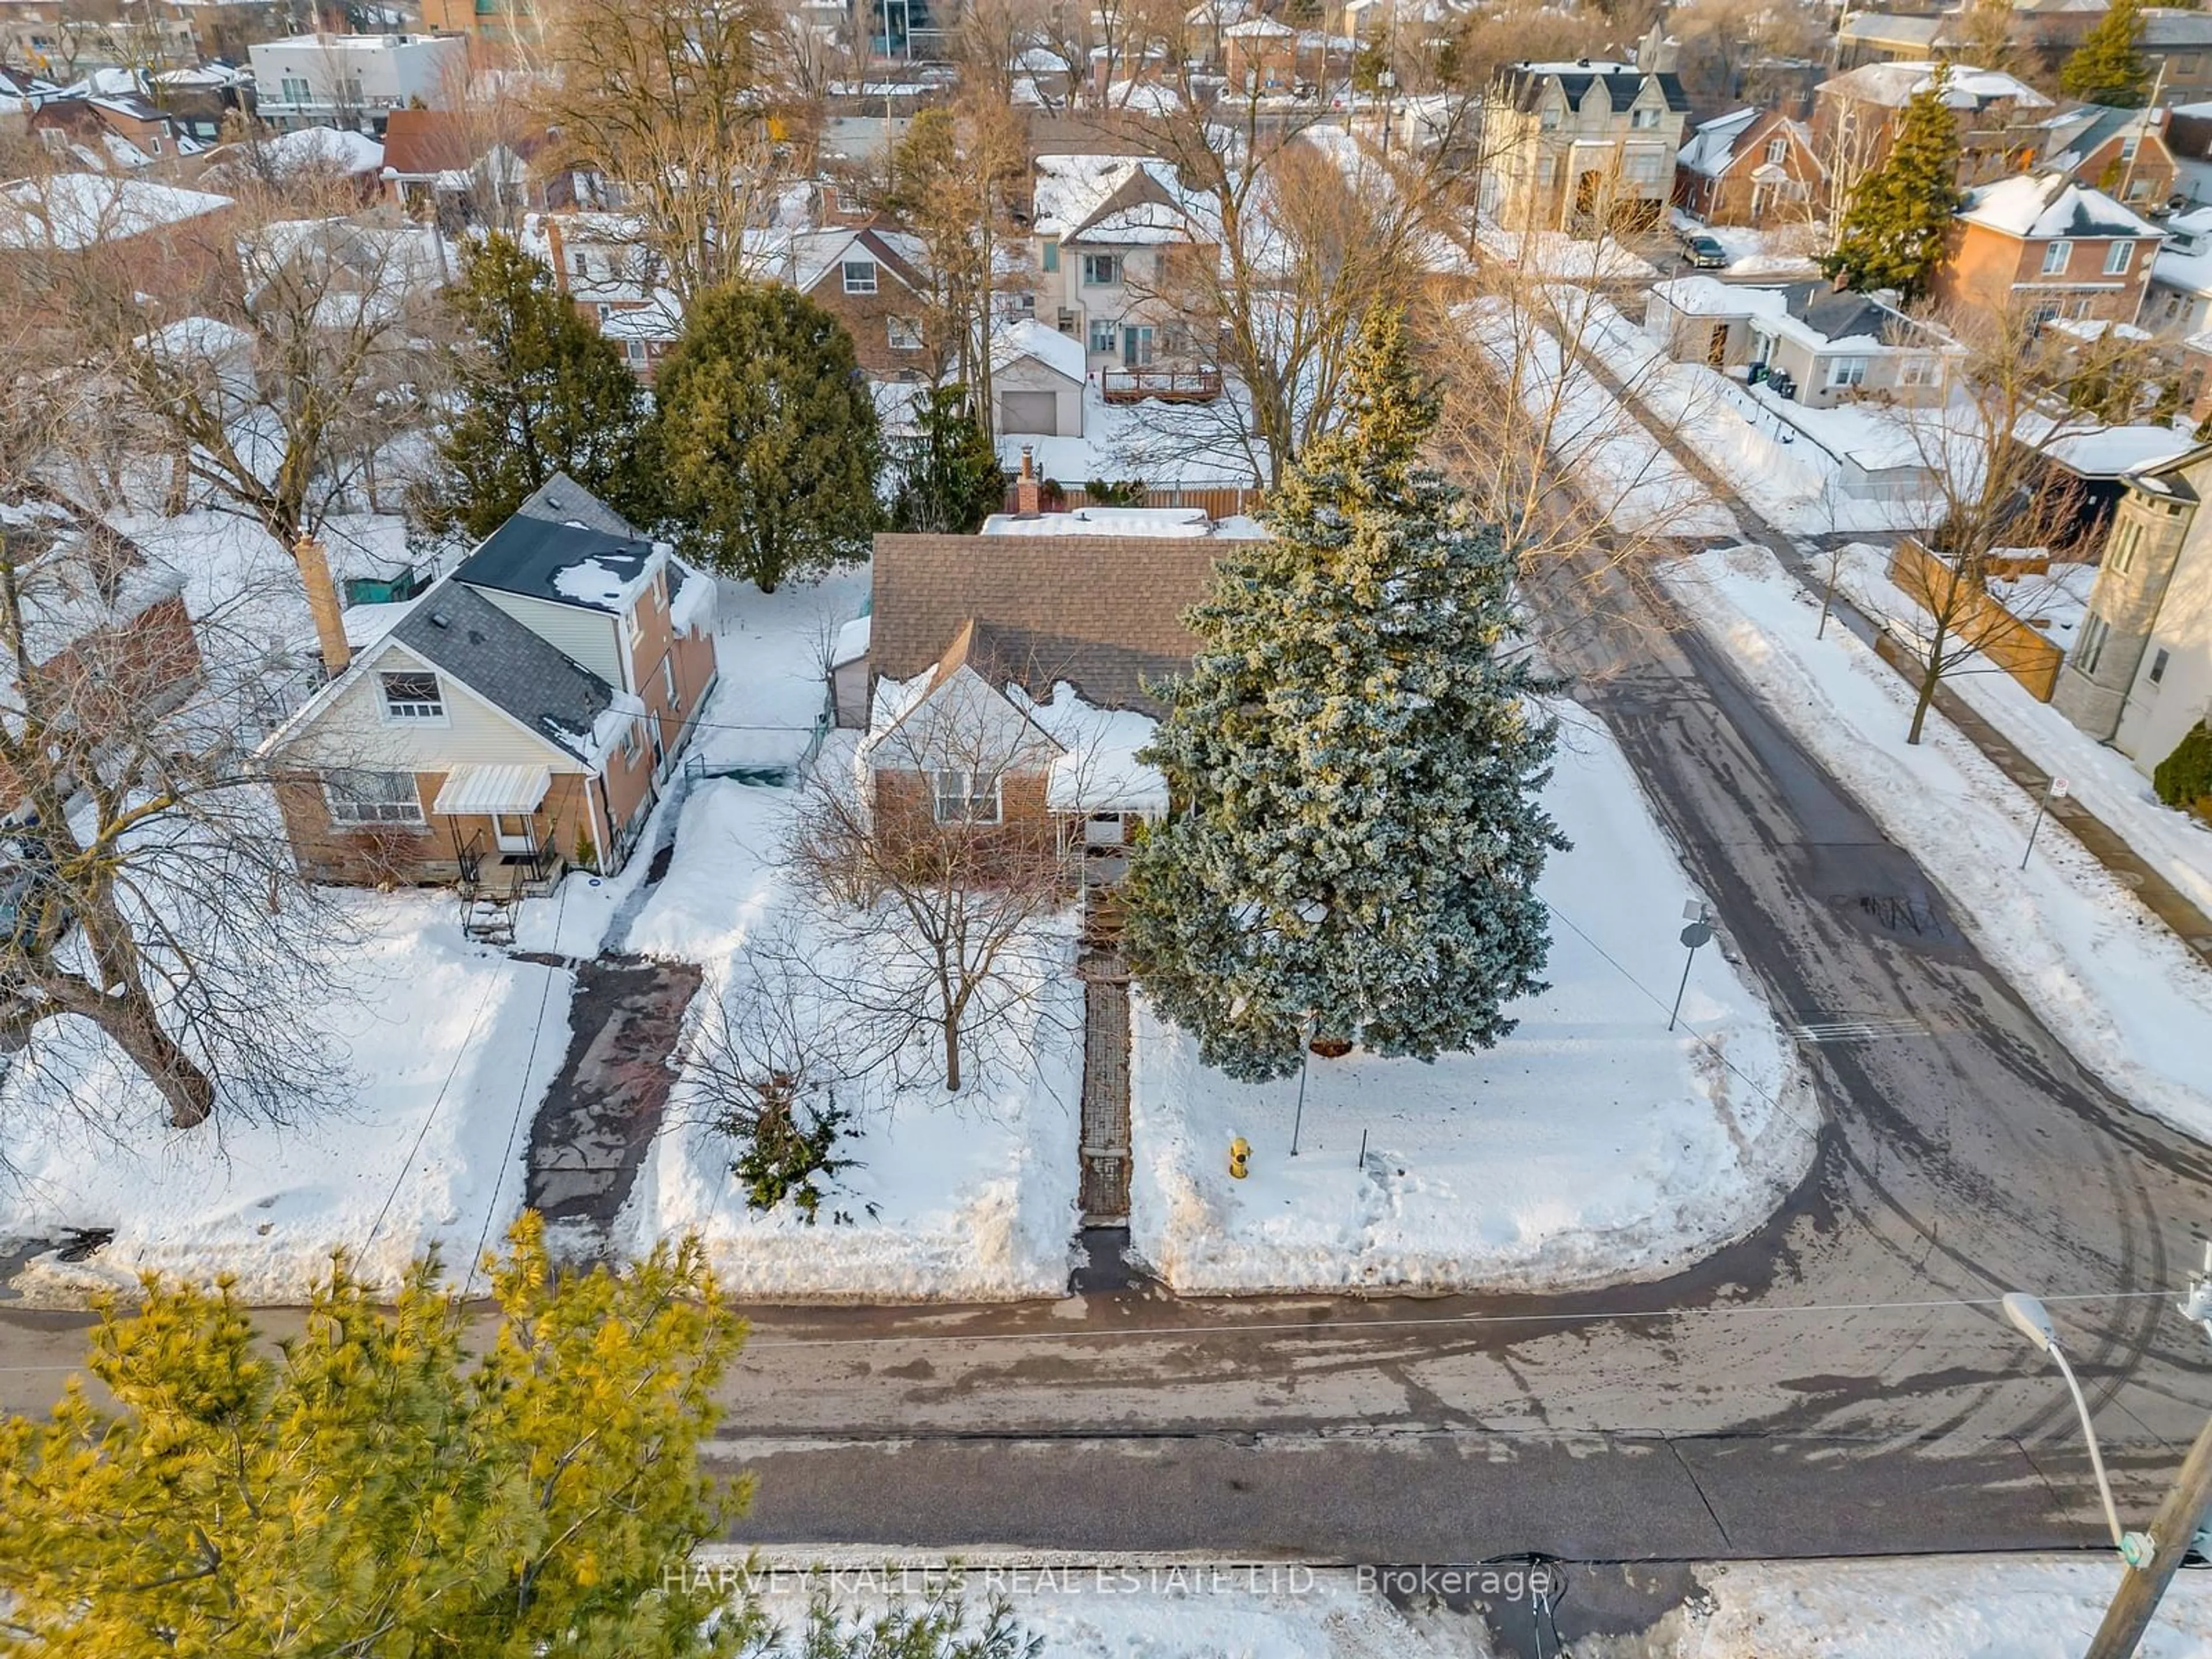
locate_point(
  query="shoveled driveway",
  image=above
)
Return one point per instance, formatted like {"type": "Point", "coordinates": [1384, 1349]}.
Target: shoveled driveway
{"type": "Point", "coordinates": [600, 1114]}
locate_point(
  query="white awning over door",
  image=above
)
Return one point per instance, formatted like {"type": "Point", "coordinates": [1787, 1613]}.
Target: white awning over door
{"type": "Point", "coordinates": [476, 791]}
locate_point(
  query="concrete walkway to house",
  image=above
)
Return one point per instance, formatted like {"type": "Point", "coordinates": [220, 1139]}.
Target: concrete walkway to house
{"type": "Point", "coordinates": [2160, 896]}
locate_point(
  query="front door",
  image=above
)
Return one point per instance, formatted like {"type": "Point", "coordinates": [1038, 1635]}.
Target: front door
{"type": "Point", "coordinates": [512, 833]}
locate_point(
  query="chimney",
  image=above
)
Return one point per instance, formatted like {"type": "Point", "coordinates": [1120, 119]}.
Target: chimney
{"type": "Point", "coordinates": [314, 562]}
{"type": "Point", "coordinates": [1027, 497]}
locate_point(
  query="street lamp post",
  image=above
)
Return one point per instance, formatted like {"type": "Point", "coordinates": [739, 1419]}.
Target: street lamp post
{"type": "Point", "coordinates": [2032, 1320]}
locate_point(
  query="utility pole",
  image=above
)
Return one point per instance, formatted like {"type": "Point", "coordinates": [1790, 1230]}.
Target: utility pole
{"type": "Point", "coordinates": [2174, 1529]}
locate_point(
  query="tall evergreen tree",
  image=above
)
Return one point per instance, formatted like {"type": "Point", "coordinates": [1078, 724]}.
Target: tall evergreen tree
{"type": "Point", "coordinates": [1354, 766]}
{"type": "Point", "coordinates": [379, 1485]}
{"type": "Point", "coordinates": [2105, 68]}
{"type": "Point", "coordinates": [540, 392]}
{"type": "Point", "coordinates": [762, 447]}
{"type": "Point", "coordinates": [946, 477]}
{"type": "Point", "coordinates": [1898, 218]}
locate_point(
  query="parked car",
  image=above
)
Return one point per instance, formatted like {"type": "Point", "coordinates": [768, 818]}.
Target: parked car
{"type": "Point", "coordinates": [1704, 252]}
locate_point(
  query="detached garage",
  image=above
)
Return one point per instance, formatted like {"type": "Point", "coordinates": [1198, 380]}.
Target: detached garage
{"type": "Point", "coordinates": [1036, 382]}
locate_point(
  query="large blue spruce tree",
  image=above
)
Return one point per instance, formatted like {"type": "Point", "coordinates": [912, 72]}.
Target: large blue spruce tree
{"type": "Point", "coordinates": [1354, 762]}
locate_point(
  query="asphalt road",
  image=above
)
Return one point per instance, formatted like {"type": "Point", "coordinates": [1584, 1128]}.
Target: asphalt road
{"type": "Point", "coordinates": [1840, 1382]}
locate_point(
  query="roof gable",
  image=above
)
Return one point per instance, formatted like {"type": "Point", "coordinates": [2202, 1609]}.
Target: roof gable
{"type": "Point", "coordinates": [549, 694]}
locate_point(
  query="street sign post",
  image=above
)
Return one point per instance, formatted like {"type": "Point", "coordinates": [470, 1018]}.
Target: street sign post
{"type": "Point", "coordinates": [2055, 792]}
{"type": "Point", "coordinates": [1699, 932]}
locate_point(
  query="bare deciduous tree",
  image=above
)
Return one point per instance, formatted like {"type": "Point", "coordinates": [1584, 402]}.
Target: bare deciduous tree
{"type": "Point", "coordinates": [149, 894]}
{"type": "Point", "coordinates": [936, 892]}
{"type": "Point", "coordinates": [675, 103]}
{"type": "Point", "coordinates": [1988, 458]}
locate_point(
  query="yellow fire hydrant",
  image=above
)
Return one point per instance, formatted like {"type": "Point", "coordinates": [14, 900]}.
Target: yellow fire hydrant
{"type": "Point", "coordinates": [1240, 1157]}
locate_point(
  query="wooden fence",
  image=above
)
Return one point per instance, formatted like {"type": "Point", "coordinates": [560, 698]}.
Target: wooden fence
{"type": "Point", "coordinates": [1221, 502]}
{"type": "Point", "coordinates": [1978, 623]}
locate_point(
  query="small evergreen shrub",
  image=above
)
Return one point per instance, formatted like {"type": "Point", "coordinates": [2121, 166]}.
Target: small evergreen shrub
{"type": "Point", "coordinates": [2183, 778]}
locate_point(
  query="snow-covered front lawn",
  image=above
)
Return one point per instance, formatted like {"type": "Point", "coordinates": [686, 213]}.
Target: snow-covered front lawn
{"type": "Point", "coordinates": [1591, 1146]}
{"type": "Point", "coordinates": [2128, 999]}
{"type": "Point", "coordinates": [963, 1197]}
{"type": "Point", "coordinates": [450, 1046]}
{"type": "Point", "coordinates": [1929, 1607]}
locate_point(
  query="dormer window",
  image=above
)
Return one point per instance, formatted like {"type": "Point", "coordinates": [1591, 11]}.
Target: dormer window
{"type": "Point", "coordinates": [412, 697]}
{"type": "Point", "coordinates": [859, 276]}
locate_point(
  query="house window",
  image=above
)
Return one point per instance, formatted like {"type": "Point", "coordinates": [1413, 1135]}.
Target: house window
{"type": "Point", "coordinates": [1136, 347]}
{"type": "Point", "coordinates": [2082, 311]}
{"type": "Point", "coordinates": [2092, 644]}
{"type": "Point", "coordinates": [1549, 120]}
{"type": "Point", "coordinates": [1643, 119]}
{"type": "Point", "coordinates": [905, 334]}
{"type": "Point", "coordinates": [964, 797]}
{"type": "Point", "coordinates": [2158, 662]}
{"type": "Point", "coordinates": [1547, 169]}
{"type": "Point", "coordinates": [1776, 150]}
{"type": "Point", "coordinates": [1100, 270]}
{"type": "Point", "coordinates": [859, 276]}
{"type": "Point", "coordinates": [2055, 257]}
{"type": "Point", "coordinates": [2129, 147]}
{"type": "Point", "coordinates": [1645, 168]}
{"type": "Point", "coordinates": [634, 351]}
{"type": "Point", "coordinates": [629, 744]}
{"type": "Point", "coordinates": [2123, 556]}
{"type": "Point", "coordinates": [412, 697]}
{"type": "Point", "coordinates": [1049, 256]}
{"type": "Point", "coordinates": [1105, 333]}
{"type": "Point", "coordinates": [1846, 371]}
{"type": "Point", "coordinates": [295, 89]}
{"type": "Point", "coordinates": [367, 797]}
{"type": "Point", "coordinates": [1916, 371]}
{"type": "Point", "coordinates": [580, 263]}
{"type": "Point", "coordinates": [2117, 258]}
{"type": "Point", "coordinates": [2138, 188]}
{"type": "Point", "coordinates": [668, 681]}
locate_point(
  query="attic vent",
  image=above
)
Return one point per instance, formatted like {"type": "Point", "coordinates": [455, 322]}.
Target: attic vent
{"type": "Point", "coordinates": [438, 620]}
{"type": "Point", "coordinates": [476, 636]}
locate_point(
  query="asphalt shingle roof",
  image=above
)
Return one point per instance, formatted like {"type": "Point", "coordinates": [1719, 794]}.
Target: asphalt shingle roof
{"type": "Point", "coordinates": [528, 555]}
{"type": "Point", "coordinates": [466, 635]}
{"type": "Point", "coordinates": [1104, 613]}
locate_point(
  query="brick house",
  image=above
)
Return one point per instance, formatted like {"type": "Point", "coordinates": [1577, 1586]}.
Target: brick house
{"type": "Point", "coordinates": [1576, 145]}
{"type": "Point", "coordinates": [1009, 678]}
{"type": "Point", "coordinates": [519, 718]}
{"type": "Point", "coordinates": [1752, 167]}
{"type": "Point", "coordinates": [104, 625]}
{"type": "Point", "coordinates": [869, 278]}
{"type": "Point", "coordinates": [2122, 152]}
{"type": "Point", "coordinates": [176, 244]}
{"type": "Point", "coordinates": [2042, 241]}
{"type": "Point", "coordinates": [131, 128]}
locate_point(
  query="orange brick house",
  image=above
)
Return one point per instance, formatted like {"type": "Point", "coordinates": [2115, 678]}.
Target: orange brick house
{"type": "Point", "coordinates": [870, 277]}
{"type": "Point", "coordinates": [520, 718]}
{"type": "Point", "coordinates": [2044, 241]}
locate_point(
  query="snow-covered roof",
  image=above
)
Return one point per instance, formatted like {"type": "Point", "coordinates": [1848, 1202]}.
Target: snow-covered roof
{"type": "Point", "coordinates": [1814, 315]}
{"type": "Point", "coordinates": [1894, 85]}
{"type": "Point", "coordinates": [1708, 148]}
{"type": "Point", "coordinates": [1116, 199]}
{"type": "Point", "coordinates": [2113, 450]}
{"type": "Point", "coordinates": [2039, 205]}
{"type": "Point", "coordinates": [851, 642]}
{"type": "Point", "coordinates": [70, 212]}
{"type": "Point", "coordinates": [1098, 770]}
{"type": "Point", "coordinates": [1258, 29]}
{"type": "Point", "coordinates": [1125, 521]}
{"type": "Point", "coordinates": [1027, 337]}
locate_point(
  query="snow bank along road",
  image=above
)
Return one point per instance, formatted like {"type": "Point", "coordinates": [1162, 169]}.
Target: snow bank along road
{"type": "Point", "coordinates": [1840, 1382]}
